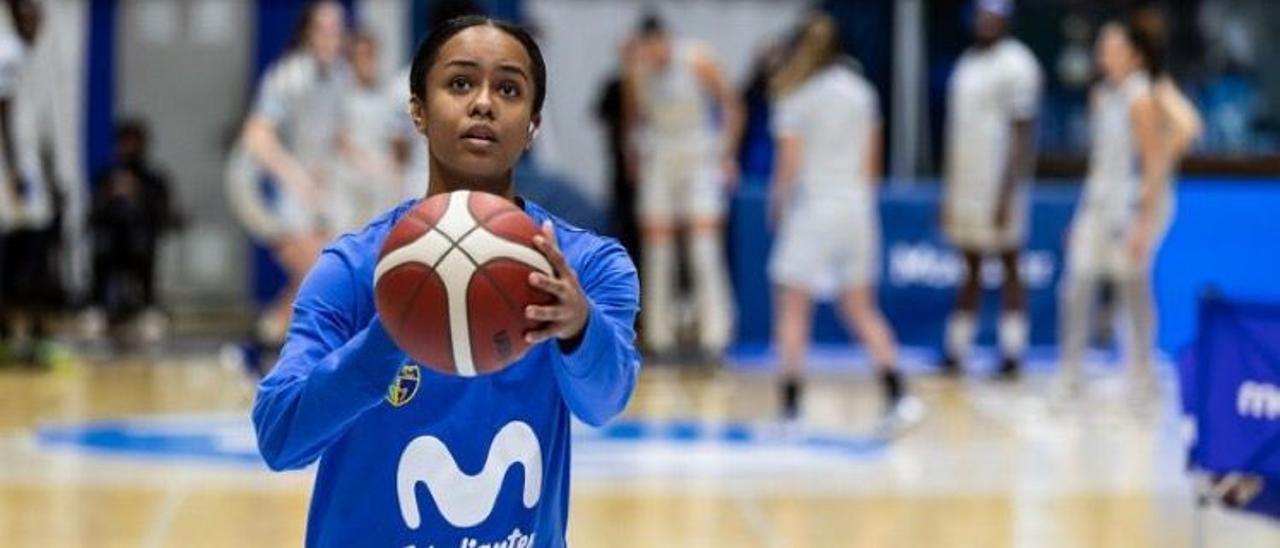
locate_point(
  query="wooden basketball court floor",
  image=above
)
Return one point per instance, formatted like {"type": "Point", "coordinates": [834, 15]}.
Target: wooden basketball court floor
{"type": "Point", "coordinates": [991, 466]}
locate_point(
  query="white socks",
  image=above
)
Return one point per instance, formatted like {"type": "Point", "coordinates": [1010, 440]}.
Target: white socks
{"type": "Point", "coordinates": [711, 290]}
{"type": "Point", "coordinates": [959, 334]}
{"type": "Point", "coordinates": [712, 299]}
{"type": "Point", "coordinates": [658, 289]}
{"type": "Point", "coordinates": [1012, 333]}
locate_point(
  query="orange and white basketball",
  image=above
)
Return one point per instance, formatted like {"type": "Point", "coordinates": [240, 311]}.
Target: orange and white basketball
{"type": "Point", "coordinates": [452, 282]}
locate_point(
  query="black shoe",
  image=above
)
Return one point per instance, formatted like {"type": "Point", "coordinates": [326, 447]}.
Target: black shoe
{"type": "Point", "coordinates": [1010, 369]}
{"type": "Point", "coordinates": [949, 366]}
{"type": "Point", "coordinates": [791, 390]}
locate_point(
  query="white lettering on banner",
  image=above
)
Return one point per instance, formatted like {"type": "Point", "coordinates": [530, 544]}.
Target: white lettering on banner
{"type": "Point", "coordinates": [516, 539]}
{"type": "Point", "coordinates": [463, 500]}
{"type": "Point", "coordinates": [1256, 400]}
{"type": "Point", "coordinates": [932, 266]}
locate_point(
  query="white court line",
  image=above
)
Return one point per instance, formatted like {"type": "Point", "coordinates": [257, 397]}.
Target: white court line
{"type": "Point", "coordinates": [757, 520]}
{"type": "Point", "coordinates": [162, 523]}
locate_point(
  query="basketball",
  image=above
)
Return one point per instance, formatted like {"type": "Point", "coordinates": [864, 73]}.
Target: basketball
{"type": "Point", "coordinates": [452, 282]}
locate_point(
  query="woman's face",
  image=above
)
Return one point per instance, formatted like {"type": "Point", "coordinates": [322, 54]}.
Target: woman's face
{"type": "Point", "coordinates": [1116, 57]}
{"type": "Point", "coordinates": [364, 61]}
{"type": "Point", "coordinates": [324, 33]}
{"type": "Point", "coordinates": [478, 110]}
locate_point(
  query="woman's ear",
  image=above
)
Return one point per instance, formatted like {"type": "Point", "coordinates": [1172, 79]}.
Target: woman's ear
{"type": "Point", "coordinates": [534, 123]}
{"type": "Point", "coordinates": [418, 113]}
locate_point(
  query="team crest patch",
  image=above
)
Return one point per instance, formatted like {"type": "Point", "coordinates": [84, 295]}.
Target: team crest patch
{"type": "Point", "coordinates": [405, 387]}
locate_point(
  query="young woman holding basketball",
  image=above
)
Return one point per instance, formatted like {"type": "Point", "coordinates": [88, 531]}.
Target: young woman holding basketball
{"type": "Point", "coordinates": [823, 198]}
{"type": "Point", "coordinates": [384, 428]}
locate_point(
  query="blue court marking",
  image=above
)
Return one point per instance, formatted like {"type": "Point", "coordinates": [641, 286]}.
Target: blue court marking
{"type": "Point", "coordinates": [229, 439]}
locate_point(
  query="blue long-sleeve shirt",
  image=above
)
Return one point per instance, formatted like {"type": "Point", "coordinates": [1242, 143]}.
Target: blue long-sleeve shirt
{"type": "Point", "coordinates": [411, 457]}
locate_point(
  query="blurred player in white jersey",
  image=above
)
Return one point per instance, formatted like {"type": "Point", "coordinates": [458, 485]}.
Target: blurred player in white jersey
{"type": "Point", "coordinates": [993, 99]}
{"type": "Point", "coordinates": [370, 179]}
{"type": "Point", "coordinates": [687, 161]}
{"type": "Point", "coordinates": [829, 137]}
{"type": "Point", "coordinates": [27, 198]}
{"type": "Point", "coordinates": [293, 132]}
{"type": "Point", "coordinates": [1141, 126]}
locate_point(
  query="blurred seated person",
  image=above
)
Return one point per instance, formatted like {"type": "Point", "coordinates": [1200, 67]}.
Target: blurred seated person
{"type": "Point", "coordinates": [132, 208]}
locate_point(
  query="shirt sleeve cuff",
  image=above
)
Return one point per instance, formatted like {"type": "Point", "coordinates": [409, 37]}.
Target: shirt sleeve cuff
{"type": "Point", "coordinates": [595, 342]}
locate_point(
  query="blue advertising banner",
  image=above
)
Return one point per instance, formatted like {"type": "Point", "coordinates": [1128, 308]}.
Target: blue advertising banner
{"type": "Point", "coordinates": [1223, 235]}
{"type": "Point", "coordinates": [919, 271]}
{"type": "Point", "coordinates": [1231, 390]}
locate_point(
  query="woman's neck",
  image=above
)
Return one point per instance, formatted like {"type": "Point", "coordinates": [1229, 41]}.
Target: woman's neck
{"type": "Point", "coordinates": [443, 180]}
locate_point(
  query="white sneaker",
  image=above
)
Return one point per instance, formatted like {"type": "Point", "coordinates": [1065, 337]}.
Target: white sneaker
{"type": "Point", "coordinates": [153, 326]}
{"type": "Point", "coordinates": [93, 323]}
{"type": "Point", "coordinates": [904, 414]}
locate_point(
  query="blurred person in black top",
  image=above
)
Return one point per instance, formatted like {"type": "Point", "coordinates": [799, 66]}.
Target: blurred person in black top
{"type": "Point", "coordinates": [612, 111]}
{"type": "Point", "coordinates": [132, 208]}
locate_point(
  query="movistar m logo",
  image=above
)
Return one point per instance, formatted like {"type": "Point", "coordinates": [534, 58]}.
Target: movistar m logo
{"type": "Point", "coordinates": [465, 500]}
{"type": "Point", "coordinates": [1257, 400]}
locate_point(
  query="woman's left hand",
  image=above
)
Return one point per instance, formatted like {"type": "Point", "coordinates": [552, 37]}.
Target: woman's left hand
{"type": "Point", "coordinates": [1139, 241]}
{"type": "Point", "coordinates": [567, 317]}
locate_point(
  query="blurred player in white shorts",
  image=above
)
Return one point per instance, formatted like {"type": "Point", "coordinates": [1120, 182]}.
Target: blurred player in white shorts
{"type": "Point", "coordinates": [293, 134]}
{"type": "Point", "coordinates": [1139, 129]}
{"type": "Point", "coordinates": [993, 99]}
{"type": "Point", "coordinates": [826, 123]}
{"type": "Point", "coordinates": [676, 88]}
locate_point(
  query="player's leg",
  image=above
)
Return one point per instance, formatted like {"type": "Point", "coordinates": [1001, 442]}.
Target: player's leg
{"type": "Point", "coordinates": [796, 263]}
{"type": "Point", "coordinates": [1137, 298]}
{"type": "Point", "coordinates": [1138, 303]}
{"type": "Point", "coordinates": [658, 275]}
{"type": "Point", "coordinates": [47, 290]}
{"type": "Point", "coordinates": [862, 316]}
{"type": "Point", "coordinates": [962, 324]}
{"type": "Point", "coordinates": [1012, 330]}
{"type": "Point", "coordinates": [26, 255]}
{"type": "Point", "coordinates": [657, 271]}
{"type": "Point", "coordinates": [6, 313]}
{"type": "Point", "coordinates": [792, 325]}
{"type": "Point", "coordinates": [1077, 292]}
{"type": "Point", "coordinates": [712, 298]}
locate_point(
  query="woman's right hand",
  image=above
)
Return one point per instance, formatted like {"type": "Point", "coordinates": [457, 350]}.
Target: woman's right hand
{"type": "Point", "coordinates": [304, 185]}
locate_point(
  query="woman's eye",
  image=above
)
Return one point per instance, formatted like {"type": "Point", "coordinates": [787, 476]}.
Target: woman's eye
{"type": "Point", "coordinates": [459, 84]}
{"type": "Point", "coordinates": [508, 89]}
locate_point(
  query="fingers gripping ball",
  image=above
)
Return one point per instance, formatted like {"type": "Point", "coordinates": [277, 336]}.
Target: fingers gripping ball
{"type": "Point", "coordinates": [452, 282]}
